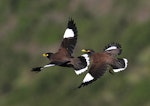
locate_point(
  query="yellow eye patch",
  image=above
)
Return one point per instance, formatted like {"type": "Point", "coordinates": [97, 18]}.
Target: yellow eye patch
{"type": "Point", "coordinates": [85, 51]}
{"type": "Point", "coordinates": [45, 54]}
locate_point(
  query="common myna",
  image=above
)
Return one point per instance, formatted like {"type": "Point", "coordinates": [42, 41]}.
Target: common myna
{"type": "Point", "coordinates": [100, 62]}
{"type": "Point", "coordinates": [63, 57]}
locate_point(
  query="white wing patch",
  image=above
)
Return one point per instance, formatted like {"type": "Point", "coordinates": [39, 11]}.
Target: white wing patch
{"type": "Point", "coordinates": [121, 69]}
{"type": "Point", "coordinates": [84, 69]}
{"type": "Point", "coordinates": [81, 71]}
{"type": "Point", "coordinates": [88, 78]}
{"type": "Point", "coordinates": [68, 33]}
{"type": "Point", "coordinates": [111, 48]}
{"type": "Point", "coordinates": [87, 58]}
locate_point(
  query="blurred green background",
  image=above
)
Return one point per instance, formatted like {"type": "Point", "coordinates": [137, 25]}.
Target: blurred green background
{"type": "Point", "coordinates": [29, 28]}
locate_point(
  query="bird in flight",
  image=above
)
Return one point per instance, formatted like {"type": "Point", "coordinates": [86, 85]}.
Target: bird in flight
{"type": "Point", "coordinates": [100, 62]}
{"type": "Point", "coordinates": [63, 57]}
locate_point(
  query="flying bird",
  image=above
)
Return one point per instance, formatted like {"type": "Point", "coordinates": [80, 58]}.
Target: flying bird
{"type": "Point", "coordinates": [63, 57]}
{"type": "Point", "coordinates": [102, 61]}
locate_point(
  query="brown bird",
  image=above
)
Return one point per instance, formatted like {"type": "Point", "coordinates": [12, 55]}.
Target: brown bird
{"type": "Point", "coordinates": [100, 62]}
{"type": "Point", "coordinates": [63, 57]}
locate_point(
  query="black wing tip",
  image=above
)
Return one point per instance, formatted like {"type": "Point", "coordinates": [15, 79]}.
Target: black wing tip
{"type": "Point", "coordinates": [81, 85]}
{"type": "Point", "coordinates": [71, 19]}
{"type": "Point", "coordinates": [72, 25]}
{"type": "Point", "coordinates": [36, 69]}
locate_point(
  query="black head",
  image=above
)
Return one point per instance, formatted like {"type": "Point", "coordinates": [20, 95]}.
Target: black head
{"type": "Point", "coordinates": [88, 51]}
{"type": "Point", "coordinates": [48, 55]}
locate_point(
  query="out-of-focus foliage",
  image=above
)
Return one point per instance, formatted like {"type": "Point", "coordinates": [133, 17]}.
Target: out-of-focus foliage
{"type": "Point", "coordinates": [29, 28]}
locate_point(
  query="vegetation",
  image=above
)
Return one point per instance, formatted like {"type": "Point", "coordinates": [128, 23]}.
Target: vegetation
{"type": "Point", "coordinates": [30, 28]}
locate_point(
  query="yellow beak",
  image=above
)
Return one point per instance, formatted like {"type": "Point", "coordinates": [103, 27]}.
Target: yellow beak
{"type": "Point", "coordinates": [45, 55]}
{"type": "Point", "coordinates": [84, 51]}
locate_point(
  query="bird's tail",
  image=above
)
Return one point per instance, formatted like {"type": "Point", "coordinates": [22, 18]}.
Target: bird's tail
{"type": "Point", "coordinates": [38, 69]}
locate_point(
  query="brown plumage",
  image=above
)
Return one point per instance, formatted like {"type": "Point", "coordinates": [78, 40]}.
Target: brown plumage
{"type": "Point", "coordinates": [63, 57]}
{"type": "Point", "coordinates": [100, 62]}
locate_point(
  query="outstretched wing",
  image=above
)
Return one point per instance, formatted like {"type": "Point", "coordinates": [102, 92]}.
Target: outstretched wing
{"type": "Point", "coordinates": [69, 38]}
{"type": "Point", "coordinates": [81, 64]}
{"type": "Point", "coordinates": [95, 72]}
{"type": "Point", "coordinates": [113, 49]}
{"type": "Point", "coordinates": [119, 64]}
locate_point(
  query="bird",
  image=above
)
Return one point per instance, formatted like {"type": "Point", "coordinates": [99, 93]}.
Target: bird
{"type": "Point", "coordinates": [63, 57]}
{"type": "Point", "coordinates": [102, 61]}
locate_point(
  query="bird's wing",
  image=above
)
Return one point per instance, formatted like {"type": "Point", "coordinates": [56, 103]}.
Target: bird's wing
{"type": "Point", "coordinates": [81, 64]}
{"type": "Point", "coordinates": [95, 72]}
{"type": "Point", "coordinates": [119, 64]}
{"type": "Point", "coordinates": [113, 49]}
{"type": "Point", "coordinates": [70, 38]}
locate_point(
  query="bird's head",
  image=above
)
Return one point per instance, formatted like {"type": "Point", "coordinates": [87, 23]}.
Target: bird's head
{"type": "Point", "coordinates": [88, 51]}
{"type": "Point", "coordinates": [48, 55]}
